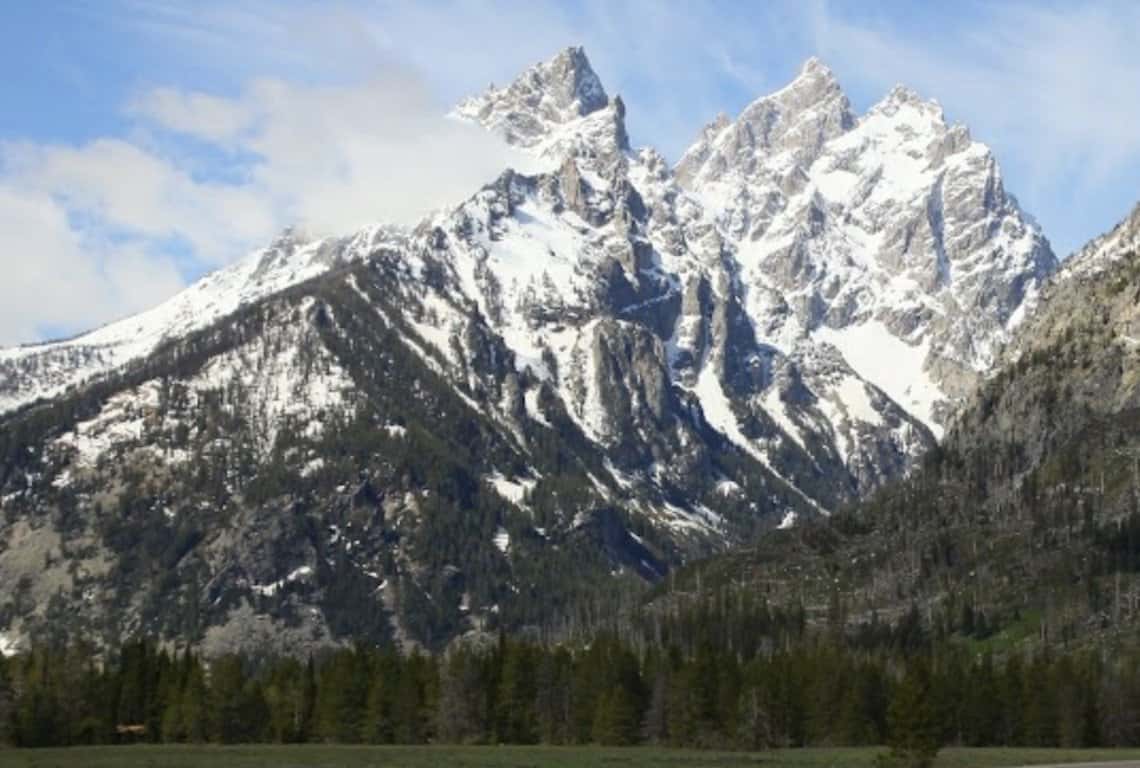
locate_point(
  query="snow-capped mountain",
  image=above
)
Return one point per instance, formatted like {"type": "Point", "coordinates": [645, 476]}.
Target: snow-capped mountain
{"type": "Point", "coordinates": [610, 364]}
{"type": "Point", "coordinates": [555, 109]}
{"type": "Point", "coordinates": [36, 371]}
{"type": "Point", "coordinates": [889, 236]}
{"type": "Point", "coordinates": [866, 269]}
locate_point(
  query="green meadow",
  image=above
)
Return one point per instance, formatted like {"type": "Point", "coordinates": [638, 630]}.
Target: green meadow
{"type": "Point", "coordinates": [318, 756]}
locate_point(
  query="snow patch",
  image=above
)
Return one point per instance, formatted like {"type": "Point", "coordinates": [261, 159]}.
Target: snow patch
{"type": "Point", "coordinates": [121, 421]}
{"type": "Point", "coordinates": [728, 487]}
{"type": "Point", "coordinates": [624, 480]}
{"type": "Point", "coordinates": [282, 381]}
{"type": "Point", "coordinates": [312, 466]}
{"type": "Point", "coordinates": [718, 412]}
{"type": "Point", "coordinates": [892, 365]}
{"type": "Point", "coordinates": [288, 261]}
{"type": "Point", "coordinates": [8, 646]}
{"type": "Point", "coordinates": [774, 405]}
{"type": "Point", "coordinates": [502, 539]}
{"type": "Point", "coordinates": [853, 393]}
{"type": "Point", "coordinates": [514, 491]}
{"type": "Point", "coordinates": [268, 590]}
{"type": "Point", "coordinates": [533, 409]}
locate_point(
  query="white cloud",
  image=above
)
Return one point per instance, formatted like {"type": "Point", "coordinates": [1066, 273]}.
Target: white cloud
{"type": "Point", "coordinates": [333, 158]}
{"type": "Point", "coordinates": [55, 278]}
{"type": "Point", "coordinates": [117, 188]}
{"type": "Point", "coordinates": [214, 119]}
{"type": "Point", "coordinates": [328, 158]}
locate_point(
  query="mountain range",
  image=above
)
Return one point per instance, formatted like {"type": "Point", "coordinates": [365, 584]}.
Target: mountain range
{"type": "Point", "coordinates": [537, 400]}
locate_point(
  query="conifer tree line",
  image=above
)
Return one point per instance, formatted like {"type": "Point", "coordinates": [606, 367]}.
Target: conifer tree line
{"type": "Point", "coordinates": [894, 686]}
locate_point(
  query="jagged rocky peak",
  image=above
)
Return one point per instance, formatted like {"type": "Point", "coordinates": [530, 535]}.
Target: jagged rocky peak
{"type": "Point", "coordinates": [814, 94]}
{"type": "Point", "coordinates": [797, 120]}
{"type": "Point", "coordinates": [281, 250]}
{"type": "Point", "coordinates": [572, 81]}
{"type": "Point", "coordinates": [813, 97]}
{"type": "Point", "coordinates": [905, 115]}
{"type": "Point", "coordinates": [903, 95]}
{"type": "Point", "coordinates": [544, 100]}
{"type": "Point", "coordinates": [890, 230]}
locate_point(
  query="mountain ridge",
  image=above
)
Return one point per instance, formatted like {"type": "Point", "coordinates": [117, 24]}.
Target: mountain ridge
{"type": "Point", "coordinates": [644, 372]}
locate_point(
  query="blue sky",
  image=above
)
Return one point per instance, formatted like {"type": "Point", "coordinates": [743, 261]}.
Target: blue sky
{"type": "Point", "coordinates": [145, 142]}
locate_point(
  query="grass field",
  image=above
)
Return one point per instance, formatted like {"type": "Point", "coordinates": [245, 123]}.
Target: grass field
{"type": "Point", "coordinates": [316, 756]}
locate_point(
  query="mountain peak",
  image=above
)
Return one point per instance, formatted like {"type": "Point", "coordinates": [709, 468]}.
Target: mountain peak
{"type": "Point", "coordinates": [815, 87]}
{"type": "Point", "coordinates": [548, 95]}
{"type": "Point", "coordinates": [573, 81]}
{"type": "Point", "coordinates": [813, 66]}
{"type": "Point", "coordinates": [794, 121]}
{"type": "Point", "coordinates": [565, 85]}
{"type": "Point", "coordinates": [813, 76]}
{"type": "Point", "coordinates": [1131, 222]}
{"type": "Point", "coordinates": [904, 96]}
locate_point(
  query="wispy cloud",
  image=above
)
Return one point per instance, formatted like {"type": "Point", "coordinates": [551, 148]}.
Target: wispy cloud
{"type": "Point", "coordinates": [58, 278]}
{"type": "Point", "coordinates": [332, 158]}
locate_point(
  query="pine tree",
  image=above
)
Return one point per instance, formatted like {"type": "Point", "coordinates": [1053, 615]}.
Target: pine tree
{"type": "Point", "coordinates": [515, 702]}
{"type": "Point", "coordinates": [1011, 695]}
{"type": "Point", "coordinates": [914, 730]}
{"type": "Point", "coordinates": [553, 700]}
{"type": "Point", "coordinates": [655, 726]}
{"type": "Point", "coordinates": [1040, 715]}
{"type": "Point", "coordinates": [173, 722]}
{"type": "Point", "coordinates": [305, 725]}
{"type": "Point", "coordinates": [379, 725]}
{"type": "Point", "coordinates": [342, 696]}
{"type": "Point", "coordinates": [195, 705]}
{"type": "Point", "coordinates": [982, 705]}
{"type": "Point", "coordinates": [459, 714]}
{"type": "Point", "coordinates": [755, 731]}
{"type": "Point", "coordinates": [237, 711]}
{"type": "Point", "coordinates": [683, 710]}
{"type": "Point", "coordinates": [413, 707]}
{"type": "Point", "coordinates": [616, 718]}
{"type": "Point", "coordinates": [283, 696]}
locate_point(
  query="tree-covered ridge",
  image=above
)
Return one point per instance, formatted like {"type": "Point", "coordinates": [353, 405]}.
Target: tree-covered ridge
{"type": "Point", "coordinates": [379, 509]}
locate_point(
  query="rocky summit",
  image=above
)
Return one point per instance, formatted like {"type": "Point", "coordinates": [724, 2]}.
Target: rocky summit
{"type": "Point", "coordinates": [575, 379]}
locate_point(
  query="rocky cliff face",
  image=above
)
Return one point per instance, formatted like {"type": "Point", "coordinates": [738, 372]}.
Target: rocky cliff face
{"type": "Point", "coordinates": [888, 236]}
{"type": "Point", "coordinates": [576, 377]}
